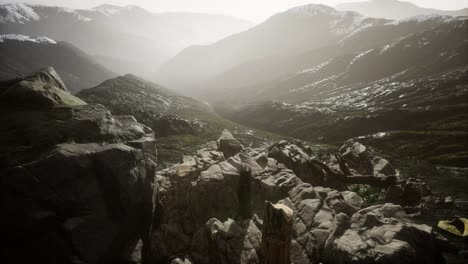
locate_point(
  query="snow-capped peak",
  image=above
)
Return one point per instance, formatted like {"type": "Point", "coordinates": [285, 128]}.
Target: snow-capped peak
{"type": "Point", "coordinates": [108, 9]}
{"type": "Point", "coordinates": [17, 13]}
{"type": "Point", "coordinates": [43, 40]}
{"type": "Point", "coordinates": [312, 10]}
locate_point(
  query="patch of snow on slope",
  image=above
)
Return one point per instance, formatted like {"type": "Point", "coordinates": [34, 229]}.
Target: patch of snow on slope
{"type": "Point", "coordinates": [17, 13]}
{"type": "Point", "coordinates": [108, 10]}
{"type": "Point", "coordinates": [315, 68]}
{"type": "Point", "coordinates": [73, 13]}
{"type": "Point", "coordinates": [43, 40]}
{"type": "Point", "coordinates": [425, 18]}
{"type": "Point", "coordinates": [360, 56]}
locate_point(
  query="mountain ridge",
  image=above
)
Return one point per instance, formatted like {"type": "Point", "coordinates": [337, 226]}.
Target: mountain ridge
{"type": "Point", "coordinates": [394, 9]}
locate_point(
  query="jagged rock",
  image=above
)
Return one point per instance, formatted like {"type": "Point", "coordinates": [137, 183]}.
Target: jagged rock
{"type": "Point", "coordinates": [407, 192]}
{"type": "Point", "coordinates": [357, 157]}
{"type": "Point", "coordinates": [228, 242]}
{"type": "Point", "coordinates": [228, 144]}
{"type": "Point", "coordinates": [74, 192]}
{"type": "Point", "coordinates": [327, 226]}
{"type": "Point", "coordinates": [277, 234]}
{"type": "Point", "coordinates": [382, 167]}
{"type": "Point", "coordinates": [297, 158]}
{"type": "Point", "coordinates": [382, 234]}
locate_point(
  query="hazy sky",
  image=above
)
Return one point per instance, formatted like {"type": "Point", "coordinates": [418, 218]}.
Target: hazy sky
{"type": "Point", "coordinates": [254, 10]}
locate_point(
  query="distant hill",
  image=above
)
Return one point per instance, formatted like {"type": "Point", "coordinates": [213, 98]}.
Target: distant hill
{"type": "Point", "coordinates": [180, 123]}
{"type": "Point", "coordinates": [394, 9]}
{"type": "Point", "coordinates": [23, 55]}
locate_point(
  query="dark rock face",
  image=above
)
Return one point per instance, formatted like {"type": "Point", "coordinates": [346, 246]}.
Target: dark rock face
{"type": "Point", "coordinates": [78, 184]}
{"type": "Point", "coordinates": [277, 234]}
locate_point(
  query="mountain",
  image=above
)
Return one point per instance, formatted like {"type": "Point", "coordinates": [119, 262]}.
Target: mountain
{"type": "Point", "coordinates": [253, 64]}
{"type": "Point", "coordinates": [126, 39]}
{"type": "Point", "coordinates": [289, 33]}
{"type": "Point", "coordinates": [23, 55]}
{"type": "Point", "coordinates": [394, 9]}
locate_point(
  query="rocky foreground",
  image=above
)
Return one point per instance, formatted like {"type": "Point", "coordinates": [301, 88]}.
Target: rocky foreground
{"type": "Point", "coordinates": [79, 185]}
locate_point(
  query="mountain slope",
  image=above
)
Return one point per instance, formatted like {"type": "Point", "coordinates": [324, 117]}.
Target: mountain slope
{"type": "Point", "coordinates": [394, 9]}
{"type": "Point", "coordinates": [134, 37]}
{"type": "Point", "coordinates": [180, 123]}
{"type": "Point", "coordinates": [422, 116]}
{"type": "Point", "coordinates": [285, 34]}
{"type": "Point", "coordinates": [23, 55]}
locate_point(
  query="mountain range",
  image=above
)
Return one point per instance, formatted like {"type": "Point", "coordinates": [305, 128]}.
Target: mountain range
{"type": "Point", "coordinates": [126, 39]}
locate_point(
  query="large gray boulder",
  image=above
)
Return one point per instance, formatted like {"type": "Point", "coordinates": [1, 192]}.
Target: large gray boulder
{"type": "Point", "coordinates": [228, 144]}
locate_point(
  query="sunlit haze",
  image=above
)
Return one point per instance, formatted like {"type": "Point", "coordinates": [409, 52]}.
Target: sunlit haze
{"type": "Point", "coordinates": [253, 10]}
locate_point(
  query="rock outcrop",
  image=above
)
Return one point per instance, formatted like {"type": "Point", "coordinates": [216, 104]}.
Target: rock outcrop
{"type": "Point", "coordinates": [78, 183]}
{"type": "Point", "coordinates": [207, 217]}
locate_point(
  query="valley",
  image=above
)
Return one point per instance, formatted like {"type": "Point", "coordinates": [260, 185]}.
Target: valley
{"type": "Point", "coordinates": [319, 135]}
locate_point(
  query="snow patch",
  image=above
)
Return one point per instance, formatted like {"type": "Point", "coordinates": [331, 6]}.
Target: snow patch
{"type": "Point", "coordinates": [17, 13]}
{"type": "Point", "coordinates": [315, 68]}
{"type": "Point", "coordinates": [360, 56]}
{"type": "Point", "coordinates": [42, 40]}
{"type": "Point", "coordinates": [108, 10]}
{"type": "Point", "coordinates": [427, 17]}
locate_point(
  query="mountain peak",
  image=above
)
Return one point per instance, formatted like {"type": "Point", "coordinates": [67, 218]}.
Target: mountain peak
{"type": "Point", "coordinates": [108, 9]}
{"type": "Point", "coordinates": [312, 9]}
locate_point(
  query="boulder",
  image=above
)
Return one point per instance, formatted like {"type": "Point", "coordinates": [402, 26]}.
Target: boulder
{"type": "Point", "coordinates": [43, 89]}
{"type": "Point", "coordinates": [228, 144]}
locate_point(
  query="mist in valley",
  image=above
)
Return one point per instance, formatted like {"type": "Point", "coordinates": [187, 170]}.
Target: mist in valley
{"type": "Point", "coordinates": [206, 132]}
